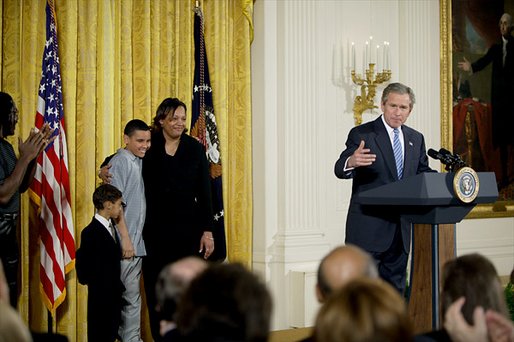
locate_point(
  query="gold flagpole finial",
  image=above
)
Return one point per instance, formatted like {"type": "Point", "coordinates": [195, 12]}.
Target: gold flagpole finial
{"type": "Point", "coordinates": [197, 4]}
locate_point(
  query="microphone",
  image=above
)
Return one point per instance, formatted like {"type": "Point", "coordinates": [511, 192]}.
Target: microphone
{"type": "Point", "coordinates": [448, 155]}
{"type": "Point", "coordinates": [443, 155]}
{"type": "Point", "coordinates": [452, 161]}
{"type": "Point", "coordinates": [434, 154]}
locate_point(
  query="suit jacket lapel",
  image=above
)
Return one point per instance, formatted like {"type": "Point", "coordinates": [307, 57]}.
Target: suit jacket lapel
{"type": "Point", "coordinates": [384, 144]}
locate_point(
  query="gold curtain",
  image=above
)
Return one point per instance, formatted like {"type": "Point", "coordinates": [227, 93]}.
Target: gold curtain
{"type": "Point", "coordinates": [119, 59]}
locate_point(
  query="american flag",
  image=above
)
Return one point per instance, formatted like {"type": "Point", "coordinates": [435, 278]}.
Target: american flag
{"type": "Point", "coordinates": [204, 128]}
{"type": "Point", "coordinates": [50, 189]}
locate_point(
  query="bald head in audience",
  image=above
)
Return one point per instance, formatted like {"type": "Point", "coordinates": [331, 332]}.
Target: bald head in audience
{"type": "Point", "coordinates": [342, 264]}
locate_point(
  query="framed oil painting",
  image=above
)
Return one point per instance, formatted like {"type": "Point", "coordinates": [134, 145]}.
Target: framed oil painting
{"type": "Point", "coordinates": [477, 92]}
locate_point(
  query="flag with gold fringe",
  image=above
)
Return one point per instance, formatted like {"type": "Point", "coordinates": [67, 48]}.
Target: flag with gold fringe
{"type": "Point", "coordinates": [50, 190]}
{"type": "Point", "coordinates": [204, 128]}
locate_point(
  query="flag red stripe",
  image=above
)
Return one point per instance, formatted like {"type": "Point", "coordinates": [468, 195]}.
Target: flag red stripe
{"type": "Point", "coordinates": [45, 281]}
{"type": "Point", "coordinates": [51, 188]}
{"type": "Point", "coordinates": [47, 241]}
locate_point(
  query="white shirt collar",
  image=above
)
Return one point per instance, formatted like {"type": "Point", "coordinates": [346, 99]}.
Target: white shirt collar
{"type": "Point", "coordinates": [104, 222]}
{"type": "Point", "coordinates": [390, 130]}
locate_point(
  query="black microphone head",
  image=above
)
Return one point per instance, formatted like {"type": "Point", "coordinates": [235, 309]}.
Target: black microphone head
{"type": "Point", "coordinates": [445, 151]}
{"type": "Point", "coordinates": [434, 154]}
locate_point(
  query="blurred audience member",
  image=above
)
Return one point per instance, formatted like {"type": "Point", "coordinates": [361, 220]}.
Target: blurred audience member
{"type": "Point", "coordinates": [363, 310]}
{"type": "Point", "coordinates": [171, 285]}
{"type": "Point", "coordinates": [470, 288]}
{"type": "Point", "coordinates": [226, 302]}
{"type": "Point", "coordinates": [342, 264]}
{"type": "Point", "coordinates": [338, 267]}
{"type": "Point", "coordinates": [488, 326]}
{"type": "Point", "coordinates": [4, 288]}
{"type": "Point", "coordinates": [12, 328]}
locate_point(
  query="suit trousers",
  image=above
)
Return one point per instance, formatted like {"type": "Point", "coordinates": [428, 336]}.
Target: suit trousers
{"type": "Point", "coordinates": [130, 326]}
{"type": "Point", "coordinates": [392, 263]}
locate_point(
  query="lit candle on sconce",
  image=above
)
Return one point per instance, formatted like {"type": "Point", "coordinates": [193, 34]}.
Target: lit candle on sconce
{"type": "Point", "coordinates": [341, 51]}
{"type": "Point", "coordinates": [386, 55]}
{"type": "Point", "coordinates": [366, 55]}
{"type": "Point", "coordinates": [378, 48]}
{"type": "Point", "coordinates": [353, 56]}
{"type": "Point", "coordinates": [371, 57]}
{"type": "Point", "coordinates": [383, 55]}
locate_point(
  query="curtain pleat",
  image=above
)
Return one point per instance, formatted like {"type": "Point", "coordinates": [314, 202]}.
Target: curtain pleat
{"type": "Point", "coordinates": [119, 60]}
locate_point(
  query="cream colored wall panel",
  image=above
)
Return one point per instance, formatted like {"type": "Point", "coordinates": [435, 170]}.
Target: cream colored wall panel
{"type": "Point", "coordinates": [493, 238]}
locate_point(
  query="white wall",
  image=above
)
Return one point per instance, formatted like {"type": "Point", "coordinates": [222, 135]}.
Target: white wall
{"type": "Point", "coordinates": [302, 112]}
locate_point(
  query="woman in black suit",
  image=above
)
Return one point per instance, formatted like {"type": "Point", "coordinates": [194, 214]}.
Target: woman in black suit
{"type": "Point", "coordinates": [178, 197]}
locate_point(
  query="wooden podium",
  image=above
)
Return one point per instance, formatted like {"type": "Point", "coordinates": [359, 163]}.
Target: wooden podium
{"type": "Point", "coordinates": [428, 201]}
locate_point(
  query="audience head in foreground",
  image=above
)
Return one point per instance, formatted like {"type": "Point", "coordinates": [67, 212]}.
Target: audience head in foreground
{"type": "Point", "coordinates": [226, 302]}
{"type": "Point", "coordinates": [474, 277]}
{"type": "Point", "coordinates": [363, 310]}
{"type": "Point", "coordinates": [12, 328]}
{"type": "Point", "coordinates": [473, 301]}
{"type": "Point", "coordinates": [339, 266]}
{"type": "Point", "coordinates": [171, 285]}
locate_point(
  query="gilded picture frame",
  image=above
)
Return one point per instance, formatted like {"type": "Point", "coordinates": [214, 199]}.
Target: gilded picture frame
{"type": "Point", "coordinates": [501, 208]}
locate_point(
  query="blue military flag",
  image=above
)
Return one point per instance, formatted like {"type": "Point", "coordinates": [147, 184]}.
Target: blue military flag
{"type": "Point", "coordinates": [203, 128]}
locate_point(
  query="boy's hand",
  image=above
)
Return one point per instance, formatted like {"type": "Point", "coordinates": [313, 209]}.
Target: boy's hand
{"type": "Point", "coordinates": [127, 249]}
{"type": "Point", "coordinates": [104, 174]}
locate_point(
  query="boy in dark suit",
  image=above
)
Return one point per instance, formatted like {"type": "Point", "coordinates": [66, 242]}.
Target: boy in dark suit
{"type": "Point", "coordinates": [98, 266]}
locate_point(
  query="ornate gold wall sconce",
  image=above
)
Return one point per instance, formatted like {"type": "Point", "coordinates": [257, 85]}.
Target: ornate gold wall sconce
{"type": "Point", "coordinates": [368, 83]}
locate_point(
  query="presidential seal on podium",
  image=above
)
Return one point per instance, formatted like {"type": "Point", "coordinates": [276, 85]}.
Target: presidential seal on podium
{"type": "Point", "coordinates": [466, 184]}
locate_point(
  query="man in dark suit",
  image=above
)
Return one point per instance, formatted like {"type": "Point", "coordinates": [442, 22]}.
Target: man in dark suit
{"type": "Point", "coordinates": [501, 55]}
{"type": "Point", "coordinates": [377, 153]}
{"type": "Point", "coordinates": [98, 266]}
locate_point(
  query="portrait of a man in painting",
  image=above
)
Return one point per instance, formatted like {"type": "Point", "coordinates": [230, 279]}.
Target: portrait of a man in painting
{"type": "Point", "coordinates": [483, 88]}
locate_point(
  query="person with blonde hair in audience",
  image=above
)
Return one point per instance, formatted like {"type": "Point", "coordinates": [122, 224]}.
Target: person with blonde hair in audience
{"type": "Point", "coordinates": [363, 310]}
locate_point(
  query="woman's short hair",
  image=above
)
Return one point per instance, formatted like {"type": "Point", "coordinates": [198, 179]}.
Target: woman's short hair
{"type": "Point", "coordinates": [363, 310]}
{"type": "Point", "coordinates": [167, 106]}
